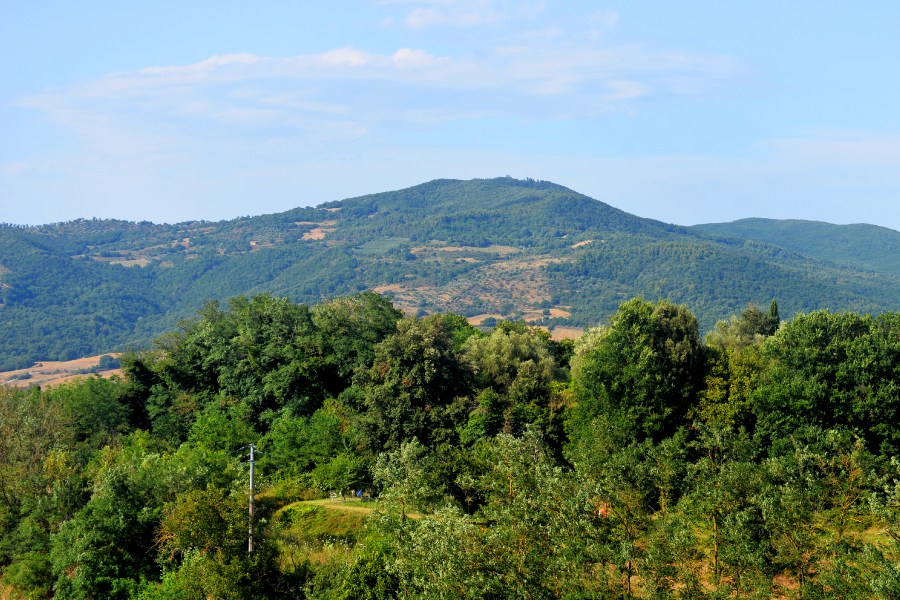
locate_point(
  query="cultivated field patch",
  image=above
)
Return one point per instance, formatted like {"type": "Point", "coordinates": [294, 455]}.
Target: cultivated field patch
{"type": "Point", "coordinates": [56, 372]}
{"type": "Point", "coordinates": [381, 246]}
{"type": "Point", "coordinates": [479, 319]}
{"type": "Point", "coordinates": [131, 262]}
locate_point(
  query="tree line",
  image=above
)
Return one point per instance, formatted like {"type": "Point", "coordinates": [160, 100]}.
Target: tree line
{"type": "Point", "coordinates": [640, 460]}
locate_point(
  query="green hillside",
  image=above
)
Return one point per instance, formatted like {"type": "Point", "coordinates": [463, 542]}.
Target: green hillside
{"type": "Point", "coordinates": [861, 246]}
{"type": "Point", "coordinates": [528, 250]}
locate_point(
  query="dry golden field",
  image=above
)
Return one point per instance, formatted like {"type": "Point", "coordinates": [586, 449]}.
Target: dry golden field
{"type": "Point", "coordinates": [55, 372]}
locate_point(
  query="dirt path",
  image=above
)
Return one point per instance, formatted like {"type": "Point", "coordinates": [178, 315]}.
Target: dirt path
{"type": "Point", "coordinates": [353, 505]}
{"type": "Point", "coordinates": [348, 504]}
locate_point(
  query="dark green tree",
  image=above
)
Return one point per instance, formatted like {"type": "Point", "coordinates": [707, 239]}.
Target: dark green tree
{"type": "Point", "coordinates": [107, 547]}
{"type": "Point", "coordinates": [351, 327]}
{"type": "Point", "coordinates": [833, 370]}
{"type": "Point", "coordinates": [410, 389]}
{"type": "Point", "coordinates": [644, 370]}
{"type": "Point", "coordinates": [514, 370]}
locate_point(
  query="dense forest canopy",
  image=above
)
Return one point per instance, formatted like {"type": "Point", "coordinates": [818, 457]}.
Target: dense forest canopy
{"type": "Point", "coordinates": [495, 248]}
{"type": "Point", "coordinates": [642, 460]}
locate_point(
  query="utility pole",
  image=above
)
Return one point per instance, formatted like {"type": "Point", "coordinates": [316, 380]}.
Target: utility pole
{"type": "Point", "coordinates": [252, 462]}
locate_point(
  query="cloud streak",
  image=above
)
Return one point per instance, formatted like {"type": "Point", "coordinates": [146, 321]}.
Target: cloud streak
{"type": "Point", "coordinates": [245, 109]}
{"type": "Point", "coordinates": [585, 80]}
{"type": "Point", "coordinates": [173, 126]}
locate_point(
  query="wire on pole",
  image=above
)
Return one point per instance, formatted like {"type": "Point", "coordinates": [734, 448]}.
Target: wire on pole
{"type": "Point", "coordinates": [252, 463]}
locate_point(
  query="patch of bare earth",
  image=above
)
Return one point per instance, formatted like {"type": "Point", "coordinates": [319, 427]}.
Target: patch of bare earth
{"type": "Point", "coordinates": [501, 250]}
{"type": "Point", "coordinates": [520, 282]}
{"type": "Point", "coordinates": [582, 244]}
{"type": "Point", "coordinates": [6, 593]}
{"type": "Point", "coordinates": [539, 314]}
{"type": "Point", "coordinates": [566, 333]}
{"type": "Point", "coordinates": [319, 233]}
{"type": "Point", "coordinates": [256, 245]}
{"type": "Point", "coordinates": [393, 287]}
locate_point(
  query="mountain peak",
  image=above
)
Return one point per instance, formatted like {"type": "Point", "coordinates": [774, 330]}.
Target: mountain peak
{"type": "Point", "coordinates": [501, 247]}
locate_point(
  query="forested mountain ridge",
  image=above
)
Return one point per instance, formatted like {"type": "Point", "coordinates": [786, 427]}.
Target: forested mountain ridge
{"type": "Point", "coordinates": [858, 245]}
{"type": "Point", "coordinates": [528, 250]}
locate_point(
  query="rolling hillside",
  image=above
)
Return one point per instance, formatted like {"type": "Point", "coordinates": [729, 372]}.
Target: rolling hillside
{"type": "Point", "coordinates": [865, 247]}
{"type": "Point", "coordinates": [520, 249]}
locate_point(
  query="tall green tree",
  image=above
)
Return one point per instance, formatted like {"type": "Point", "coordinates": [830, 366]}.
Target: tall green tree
{"type": "Point", "coordinates": [734, 364]}
{"type": "Point", "coordinates": [645, 369]}
{"type": "Point", "coordinates": [514, 371]}
{"type": "Point", "coordinates": [107, 547]}
{"type": "Point", "coordinates": [534, 536]}
{"type": "Point", "coordinates": [410, 389]}
{"type": "Point", "coordinates": [833, 370]}
{"type": "Point", "coordinates": [351, 327]}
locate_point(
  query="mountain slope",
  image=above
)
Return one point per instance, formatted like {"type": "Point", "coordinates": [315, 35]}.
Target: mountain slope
{"type": "Point", "coordinates": [521, 249]}
{"type": "Point", "coordinates": [866, 247]}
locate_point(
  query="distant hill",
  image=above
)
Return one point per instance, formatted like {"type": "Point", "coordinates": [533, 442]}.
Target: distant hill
{"type": "Point", "coordinates": [866, 247]}
{"type": "Point", "coordinates": [521, 249]}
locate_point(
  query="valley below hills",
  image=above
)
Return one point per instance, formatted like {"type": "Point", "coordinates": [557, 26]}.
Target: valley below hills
{"type": "Point", "coordinates": [485, 249]}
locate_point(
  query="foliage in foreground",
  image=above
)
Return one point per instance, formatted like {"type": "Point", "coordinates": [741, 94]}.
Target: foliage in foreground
{"type": "Point", "coordinates": [641, 461]}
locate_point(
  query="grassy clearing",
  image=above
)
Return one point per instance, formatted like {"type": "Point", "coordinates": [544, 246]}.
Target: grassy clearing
{"type": "Point", "coordinates": [318, 531]}
{"type": "Point", "coordinates": [381, 246]}
{"type": "Point", "coordinates": [324, 519]}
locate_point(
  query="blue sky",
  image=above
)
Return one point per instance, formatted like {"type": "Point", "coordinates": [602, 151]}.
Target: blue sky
{"type": "Point", "coordinates": [687, 112]}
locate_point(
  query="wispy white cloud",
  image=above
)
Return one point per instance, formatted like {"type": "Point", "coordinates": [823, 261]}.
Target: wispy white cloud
{"type": "Point", "coordinates": [369, 87]}
{"type": "Point", "coordinates": [13, 168]}
{"type": "Point", "coordinates": [264, 116]}
{"type": "Point", "coordinates": [424, 14]}
{"type": "Point", "coordinates": [210, 64]}
{"type": "Point", "coordinates": [605, 18]}
{"type": "Point", "coordinates": [621, 90]}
